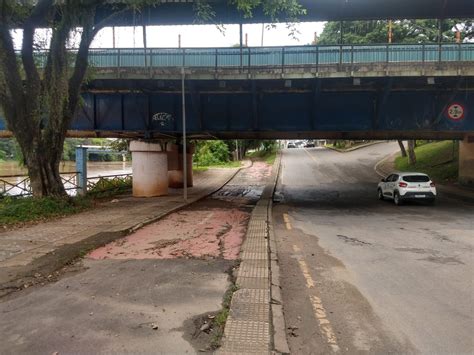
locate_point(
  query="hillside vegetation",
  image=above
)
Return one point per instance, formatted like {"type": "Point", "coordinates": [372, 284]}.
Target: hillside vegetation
{"type": "Point", "coordinates": [440, 160]}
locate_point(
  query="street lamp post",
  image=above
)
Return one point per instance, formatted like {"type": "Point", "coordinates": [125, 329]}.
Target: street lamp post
{"type": "Point", "coordinates": [185, 167]}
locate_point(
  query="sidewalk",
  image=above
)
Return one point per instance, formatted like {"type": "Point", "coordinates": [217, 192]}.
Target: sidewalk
{"type": "Point", "coordinates": [386, 166]}
{"type": "Point", "coordinates": [32, 254]}
{"type": "Point", "coordinates": [255, 324]}
{"type": "Point", "coordinates": [355, 147]}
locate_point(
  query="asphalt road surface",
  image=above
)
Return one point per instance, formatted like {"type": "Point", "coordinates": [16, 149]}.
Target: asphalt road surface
{"type": "Point", "coordinates": [361, 275]}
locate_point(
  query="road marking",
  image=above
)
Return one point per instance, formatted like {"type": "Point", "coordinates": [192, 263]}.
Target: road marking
{"type": "Point", "coordinates": [317, 304]}
{"type": "Point", "coordinates": [324, 323]}
{"type": "Point", "coordinates": [286, 218]}
{"type": "Point", "coordinates": [313, 158]}
{"type": "Point", "coordinates": [304, 269]}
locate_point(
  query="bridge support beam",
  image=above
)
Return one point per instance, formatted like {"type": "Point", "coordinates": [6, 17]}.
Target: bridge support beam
{"type": "Point", "coordinates": [466, 161]}
{"type": "Point", "coordinates": [150, 169]}
{"type": "Point", "coordinates": [175, 166]}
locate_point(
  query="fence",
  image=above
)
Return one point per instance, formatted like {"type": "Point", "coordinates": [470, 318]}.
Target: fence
{"type": "Point", "coordinates": [276, 56]}
{"type": "Point", "coordinates": [281, 56]}
{"type": "Point", "coordinates": [19, 185]}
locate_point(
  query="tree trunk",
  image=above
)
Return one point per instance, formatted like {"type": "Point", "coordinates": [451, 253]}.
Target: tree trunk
{"type": "Point", "coordinates": [42, 157]}
{"type": "Point", "coordinates": [402, 148]}
{"type": "Point", "coordinates": [411, 152]}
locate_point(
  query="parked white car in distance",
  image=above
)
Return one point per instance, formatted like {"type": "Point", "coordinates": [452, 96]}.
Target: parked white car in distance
{"type": "Point", "coordinates": [407, 186]}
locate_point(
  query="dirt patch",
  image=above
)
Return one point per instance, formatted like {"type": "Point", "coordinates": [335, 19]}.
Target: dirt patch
{"type": "Point", "coordinates": [204, 332]}
{"type": "Point", "coordinates": [203, 231]}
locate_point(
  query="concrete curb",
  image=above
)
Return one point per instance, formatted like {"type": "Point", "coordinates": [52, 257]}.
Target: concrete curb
{"type": "Point", "coordinates": [354, 148]}
{"type": "Point", "coordinates": [381, 172]}
{"type": "Point", "coordinates": [255, 324]}
{"type": "Point", "coordinates": [66, 254]}
{"type": "Point", "coordinates": [280, 342]}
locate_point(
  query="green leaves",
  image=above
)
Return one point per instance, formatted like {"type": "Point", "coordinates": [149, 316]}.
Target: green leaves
{"type": "Point", "coordinates": [404, 31]}
{"type": "Point", "coordinates": [276, 10]}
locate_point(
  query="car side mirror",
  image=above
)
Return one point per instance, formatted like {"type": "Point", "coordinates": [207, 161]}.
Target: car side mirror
{"type": "Point", "coordinates": [383, 180]}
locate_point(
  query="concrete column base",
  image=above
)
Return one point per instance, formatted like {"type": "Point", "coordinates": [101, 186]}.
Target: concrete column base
{"type": "Point", "coordinates": [149, 168]}
{"type": "Point", "coordinates": [175, 166]}
{"type": "Point", "coordinates": [466, 161]}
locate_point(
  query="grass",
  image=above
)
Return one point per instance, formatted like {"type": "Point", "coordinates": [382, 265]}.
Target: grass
{"type": "Point", "coordinates": [267, 156]}
{"type": "Point", "coordinates": [221, 317]}
{"type": "Point", "coordinates": [26, 209]}
{"type": "Point", "coordinates": [439, 160]}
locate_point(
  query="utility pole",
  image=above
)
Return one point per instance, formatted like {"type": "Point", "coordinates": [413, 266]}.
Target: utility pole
{"type": "Point", "coordinates": [145, 44]}
{"type": "Point", "coordinates": [390, 31]}
{"type": "Point", "coordinates": [185, 166]}
{"type": "Point", "coordinates": [240, 42]}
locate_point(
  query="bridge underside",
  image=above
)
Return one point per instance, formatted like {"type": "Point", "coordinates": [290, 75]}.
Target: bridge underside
{"type": "Point", "coordinates": [338, 108]}
{"type": "Point", "coordinates": [183, 12]}
{"type": "Point", "coordinates": [368, 108]}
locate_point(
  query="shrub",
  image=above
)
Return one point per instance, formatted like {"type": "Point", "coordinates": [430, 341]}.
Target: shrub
{"type": "Point", "coordinates": [211, 153]}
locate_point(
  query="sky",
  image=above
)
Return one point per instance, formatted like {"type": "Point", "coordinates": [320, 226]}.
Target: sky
{"type": "Point", "coordinates": [208, 35]}
{"type": "Point", "coordinates": [199, 36]}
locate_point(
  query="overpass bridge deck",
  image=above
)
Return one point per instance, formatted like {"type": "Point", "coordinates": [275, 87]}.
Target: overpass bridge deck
{"type": "Point", "coordinates": [322, 103]}
{"type": "Point", "coordinates": [214, 59]}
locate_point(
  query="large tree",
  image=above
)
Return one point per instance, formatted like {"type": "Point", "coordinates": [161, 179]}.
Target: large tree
{"type": "Point", "coordinates": [39, 103]}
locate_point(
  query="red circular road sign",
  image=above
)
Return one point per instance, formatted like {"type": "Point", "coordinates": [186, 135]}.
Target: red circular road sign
{"type": "Point", "coordinates": [455, 111]}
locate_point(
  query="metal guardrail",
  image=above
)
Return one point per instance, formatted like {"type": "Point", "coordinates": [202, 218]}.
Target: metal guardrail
{"type": "Point", "coordinates": [105, 183]}
{"type": "Point", "coordinates": [280, 56]}
{"type": "Point", "coordinates": [276, 56]}
{"type": "Point", "coordinates": [21, 187]}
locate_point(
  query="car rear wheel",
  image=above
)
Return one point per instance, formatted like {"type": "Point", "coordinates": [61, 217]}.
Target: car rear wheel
{"type": "Point", "coordinates": [380, 194]}
{"type": "Point", "coordinates": [396, 199]}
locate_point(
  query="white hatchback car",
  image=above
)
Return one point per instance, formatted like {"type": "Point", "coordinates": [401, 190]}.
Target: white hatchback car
{"type": "Point", "coordinates": [407, 186]}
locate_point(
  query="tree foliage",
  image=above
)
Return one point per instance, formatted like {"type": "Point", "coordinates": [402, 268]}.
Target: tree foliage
{"type": "Point", "coordinates": [404, 31]}
{"type": "Point", "coordinates": [211, 152]}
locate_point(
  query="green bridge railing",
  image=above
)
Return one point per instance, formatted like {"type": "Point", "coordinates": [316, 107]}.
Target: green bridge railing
{"type": "Point", "coordinates": [278, 56]}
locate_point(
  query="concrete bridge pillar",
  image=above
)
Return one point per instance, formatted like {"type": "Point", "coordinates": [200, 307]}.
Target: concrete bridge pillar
{"type": "Point", "coordinates": [175, 165]}
{"type": "Point", "coordinates": [150, 169]}
{"type": "Point", "coordinates": [466, 161]}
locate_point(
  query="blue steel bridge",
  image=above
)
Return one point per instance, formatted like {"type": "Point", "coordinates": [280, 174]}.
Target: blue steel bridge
{"type": "Point", "coordinates": [346, 91]}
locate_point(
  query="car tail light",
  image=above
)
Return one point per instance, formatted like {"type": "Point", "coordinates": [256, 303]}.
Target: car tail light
{"type": "Point", "coordinates": [402, 184]}
{"type": "Point", "coordinates": [432, 184]}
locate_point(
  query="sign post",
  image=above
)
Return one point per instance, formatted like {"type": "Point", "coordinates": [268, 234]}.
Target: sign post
{"type": "Point", "coordinates": [81, 169]}
{"type": "Point", "coordinates": [185, 166]}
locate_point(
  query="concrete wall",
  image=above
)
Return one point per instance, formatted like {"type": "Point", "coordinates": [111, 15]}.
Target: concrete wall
{"type": "Point", "coordinates": [466, 161]}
